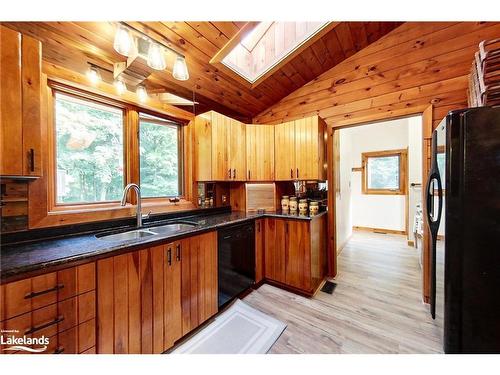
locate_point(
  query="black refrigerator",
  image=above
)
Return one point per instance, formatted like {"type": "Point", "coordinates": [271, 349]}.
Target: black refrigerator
{"type": "Point", "coordinates": [463, 212]}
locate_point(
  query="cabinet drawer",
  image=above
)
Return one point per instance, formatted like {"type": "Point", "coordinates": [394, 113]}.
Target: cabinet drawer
{"type": "Point", "coordinates": [77, 339]}
{"type": "Point", "coordinates": [50, 320]}
{"type": "Point", "coordinates": [22, 296]}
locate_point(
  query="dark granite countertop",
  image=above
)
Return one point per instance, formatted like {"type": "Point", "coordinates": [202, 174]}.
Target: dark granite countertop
{"type": "Point", "coordinates": [25, 259]}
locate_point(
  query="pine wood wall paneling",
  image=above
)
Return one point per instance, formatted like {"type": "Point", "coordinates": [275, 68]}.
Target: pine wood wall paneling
{"type": "Point", "coordinates": [11, 131]}
{"type": "Point", "coordinates": [434, 50]}
{"type": "Point", "coordinates": [72, 45]}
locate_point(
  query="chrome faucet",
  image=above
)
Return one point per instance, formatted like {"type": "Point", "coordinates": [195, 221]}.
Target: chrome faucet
{"type": "Point", "coordinates": [139, 214]}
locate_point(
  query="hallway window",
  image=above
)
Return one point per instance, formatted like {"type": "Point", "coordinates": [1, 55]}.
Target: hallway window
{"type": "Point", "coordinates": [384, 172]}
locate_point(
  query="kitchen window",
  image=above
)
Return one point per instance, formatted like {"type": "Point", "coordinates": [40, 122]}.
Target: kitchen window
{"type": "Point", "coordinates": [384, 172]}
{"type": "Point", "coordinates": [160, 157]}
{"type": "Point", "coordinates": [89, 150]}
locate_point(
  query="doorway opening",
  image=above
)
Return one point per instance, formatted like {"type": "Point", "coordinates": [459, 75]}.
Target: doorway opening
{"type": "Point", "coordinates": [378, 176]}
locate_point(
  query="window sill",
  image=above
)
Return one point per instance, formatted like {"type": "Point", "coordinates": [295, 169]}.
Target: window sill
{"type": "Point", "coordinates": [66, 215]}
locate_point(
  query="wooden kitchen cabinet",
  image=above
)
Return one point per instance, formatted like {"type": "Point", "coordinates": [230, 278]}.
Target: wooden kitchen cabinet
{"type": "Point", "coordinates": [150, 298]}
{"type": "Point", "coordinates": [260, 152]}
{"type": "Point", "coordinates": [274, 250]}
{"type": "Point", "coordinates": [220, 148]}
{"type": "Point", "coordinates": [199, 280]}
{"type": "Point", "coordinates": [20, 119]}
{"type": "Point", "coordinates": [259, 249]}
{"type": "Point", "coordinates": [295, 252]}
{"type": "Point", "coordinates": [59, 305]}
{"type": "Point", "coordinates": [172, 294]}
{"type": "Point", "coordinates": [131, 302]}
{"type": "Point", "coordinates": [284, 151]}
{"type": "Point", "coordinates": [300, 149]}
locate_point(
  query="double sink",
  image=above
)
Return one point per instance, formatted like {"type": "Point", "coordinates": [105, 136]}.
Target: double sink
{"type": "Point", "coordinates": [136, 234]}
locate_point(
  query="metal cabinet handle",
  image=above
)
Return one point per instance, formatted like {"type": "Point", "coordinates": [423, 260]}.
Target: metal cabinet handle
{"type": "Point", "coordinates": [36, 294]}
{"type": "Point", "coordinates": [297, 172]}
{"type": "Point", "coordinates": [169, 257]}
{"type": "Point", "coordinates": [229, 172]}
{"type": "Point", "coordinates": [291, 172]}
{"type": "Point", "coordinates": [44, 325]}
{"type": "Point", "coordinates": [178, 250]}
{"type": "Point", "coordinates": [234, 173]}
{"type": "Point", "coordinates": [32, 160]}
{"type": "Point", "coordinates": [59, 350]}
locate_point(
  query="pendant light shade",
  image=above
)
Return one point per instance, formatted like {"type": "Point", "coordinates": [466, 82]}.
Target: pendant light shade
{"type": "Point", "coordinates": [142, 93]}
{"type": "Point", "coordinates": [156, 57]}
{"type": "Point", "coordinates": [93, 75]}
{"type": "Point", "coordinates": [180, 71]}
{"type": "Point", "coordinates": [121, 87]}
{"type": "Point", "coordinates": [123, 43]}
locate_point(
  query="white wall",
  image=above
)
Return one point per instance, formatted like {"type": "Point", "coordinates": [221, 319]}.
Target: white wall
{"type": "Point", "coordinates": [414, 168]}
{"type": "Point", "coordinates": [343, 198]}
{"type": "Point", "coordinates": [369, 210]}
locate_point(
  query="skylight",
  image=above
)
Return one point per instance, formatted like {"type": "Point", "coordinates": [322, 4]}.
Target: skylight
{"type": "Point", "coordinates": [267, 45]}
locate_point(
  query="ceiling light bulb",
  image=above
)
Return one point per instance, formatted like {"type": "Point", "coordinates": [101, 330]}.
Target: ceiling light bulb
{"type": "Point", "coordinates": [123, 41]}
{"type": "Point", "coordinates": [121, 87]}
{"type": "Point", "coordinates": [142, 93]}
{"type": "Point", "coordinates": [93, 75]}
{"type": "Point", "coordinates": [156, 58]}
{"type": "Point", "coordinates": [180, 71]}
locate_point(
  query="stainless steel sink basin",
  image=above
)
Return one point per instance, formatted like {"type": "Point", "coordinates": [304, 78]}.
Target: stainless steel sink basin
{"type": "Point", "coordinates": [131, 235]}
{"type": "Point", "coordinates": [174, 227]}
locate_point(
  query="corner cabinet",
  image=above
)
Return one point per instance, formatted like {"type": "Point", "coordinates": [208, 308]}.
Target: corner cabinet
{"type": "Point", "coordinates": [220, 148]}
{"type": "Point", "coordinates": [300, 149]}
{"type": "Point", "coordinates": [20, 100]}
{"type": "Point", "coordinates": [150, 298]}
{"type": "Point", "coordinates": [295, 253]}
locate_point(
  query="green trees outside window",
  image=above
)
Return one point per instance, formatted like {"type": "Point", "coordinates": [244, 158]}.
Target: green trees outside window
{"type": "Point", "coordinates": [159, 158]}
{"type": "Point", "coordinates": [89, 151]}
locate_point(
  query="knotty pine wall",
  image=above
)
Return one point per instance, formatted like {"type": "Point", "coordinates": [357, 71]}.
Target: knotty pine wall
{"type": "Point", "coordinates": [417, 64]}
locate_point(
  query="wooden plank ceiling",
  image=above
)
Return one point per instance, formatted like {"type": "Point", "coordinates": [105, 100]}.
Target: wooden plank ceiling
{"type": "Point", "coordinates": [73, 45]}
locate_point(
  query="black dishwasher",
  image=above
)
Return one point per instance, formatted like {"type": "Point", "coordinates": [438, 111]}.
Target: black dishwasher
{"type": "Point", "coordinates": [236, 260]}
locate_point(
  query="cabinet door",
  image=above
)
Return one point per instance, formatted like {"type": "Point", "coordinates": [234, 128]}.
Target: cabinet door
{"type": "Point", "coordinates": [298, 254]}
{"type": "Point", "coordinates": [199, 280]}
{"type": "Point", "coordinates": [130, 307]}
{"type": "Point", "coordinates": [237, 151]}
{"type": "Point", "coordinates": [307, 150]}
{"type": "Point", "coordinates": [284, 151]}
{"type": "Point", "coordinates": [31, 92]}
{"type": "Point", "coordinates": [260, 152]}
{"type": "Point", "coordinates": [220, 147]}
{"type": "Point", "coordinates": [259, 249]}
{"type": "Point", "coordinates": [202, 149]}
{"type": "Point", "coordinates": [275, 249]}
{"type": "Point", "coordinates": [173, 307]}
{"type": "Point", "coordinates": [20, 122]}
{"type": "Point", "coordinates": [11, 127]}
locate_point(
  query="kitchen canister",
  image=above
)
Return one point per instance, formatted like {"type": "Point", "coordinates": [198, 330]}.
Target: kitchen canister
{"type": "Point", "coordinates": [313, 208]}
{"type": "Point", "coordinates": [303, 207]}
{"type": "Point", "coordinates": [293, 205]}
{"type": "Point", "coordinates": [285, 202]}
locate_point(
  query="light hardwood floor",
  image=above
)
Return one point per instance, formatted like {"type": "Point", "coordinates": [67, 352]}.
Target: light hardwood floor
{"type": "Point", "coordinates": [375, 308]}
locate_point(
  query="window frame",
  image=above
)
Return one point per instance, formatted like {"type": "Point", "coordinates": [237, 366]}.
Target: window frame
{"type": "Point", "coordinates": [131, 161]}
{"type": "Point", "coordinates": [403, 168]}
{"type": "Point", "coordinates": [180, 152]}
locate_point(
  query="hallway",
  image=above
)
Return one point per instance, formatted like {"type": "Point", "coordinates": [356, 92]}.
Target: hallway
{"type": "Point", "coordinates": [375, 308]}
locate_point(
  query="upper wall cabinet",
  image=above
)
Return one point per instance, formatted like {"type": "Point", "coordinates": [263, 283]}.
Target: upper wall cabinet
{"type": "Point", "coordinates": [300, 149]}
{"type": "Point", "coordinates": [260, 152]}
{"type": "Point", "coordinates": [20, 100]}
{"type": "Point", "coordinates": [220, 148]}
